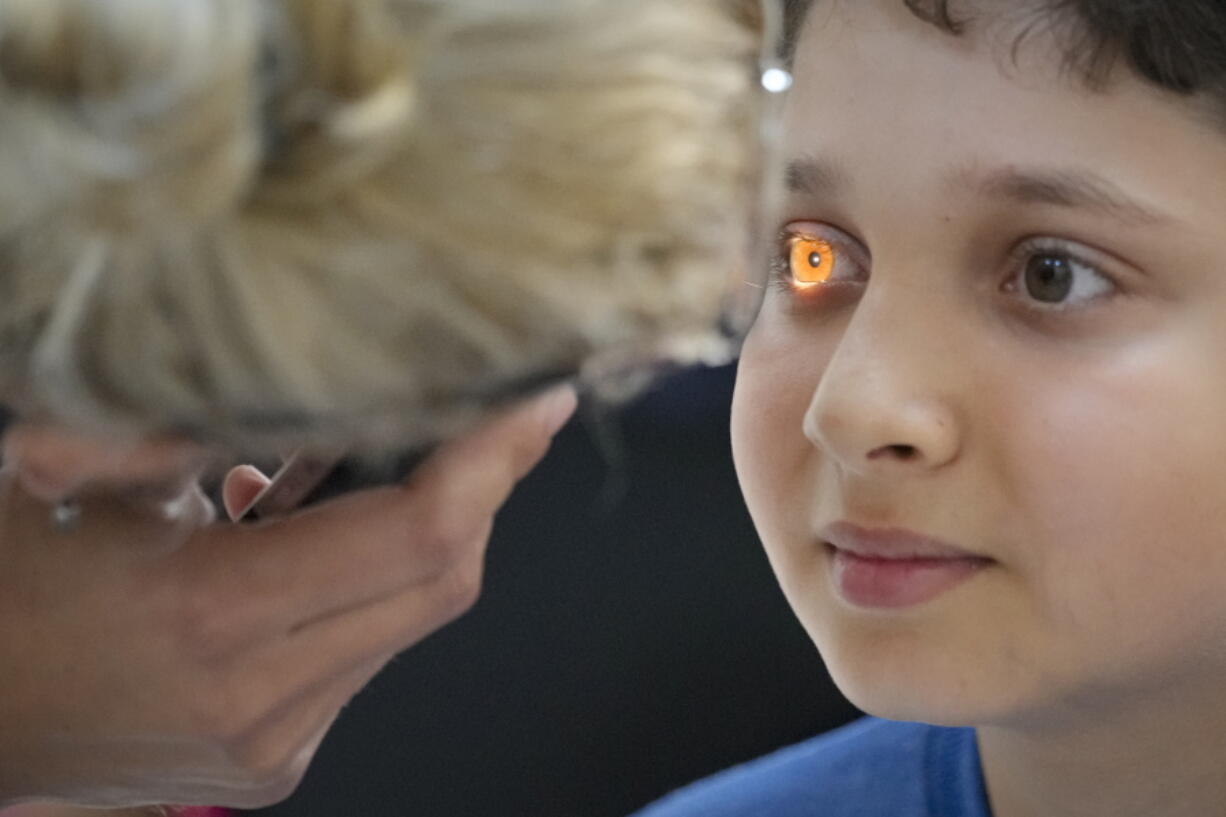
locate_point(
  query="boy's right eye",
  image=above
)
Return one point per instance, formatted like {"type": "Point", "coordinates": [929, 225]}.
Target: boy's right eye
{"type": "Point", "coordinates": [814, 258]}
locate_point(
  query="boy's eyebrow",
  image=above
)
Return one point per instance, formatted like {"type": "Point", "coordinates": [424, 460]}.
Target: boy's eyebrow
{"type": "Point", "coordinates": [1062, 188]}
{"type": "Point", "coordinates": [821, 178]}
{"type": "Point", "coordinates": [817, 178]}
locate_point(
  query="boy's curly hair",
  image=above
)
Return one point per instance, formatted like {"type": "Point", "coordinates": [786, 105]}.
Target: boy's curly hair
{"type": "Point", "coordinates": [1178, 45]}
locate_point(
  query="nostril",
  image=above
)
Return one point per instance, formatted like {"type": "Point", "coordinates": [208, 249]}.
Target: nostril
{"type": "Point", "coordinates": [901, 452]}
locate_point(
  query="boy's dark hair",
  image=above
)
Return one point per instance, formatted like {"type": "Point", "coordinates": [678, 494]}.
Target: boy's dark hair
{"type": "Point", "coordinates": [1179, 45]}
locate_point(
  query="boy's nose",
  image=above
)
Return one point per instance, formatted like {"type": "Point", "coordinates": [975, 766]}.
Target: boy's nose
{"type": "Point", "coordinates": [886, 401]}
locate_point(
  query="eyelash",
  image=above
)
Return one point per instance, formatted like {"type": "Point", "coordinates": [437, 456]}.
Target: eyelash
{"type": "Point", "coordinates": [780, 270]}
{"type": "Point", "coordinates": [781, 273]}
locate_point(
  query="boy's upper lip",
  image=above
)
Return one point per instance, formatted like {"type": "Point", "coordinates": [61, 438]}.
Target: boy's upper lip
{"type": "Point", "coordinates": [890, 543]}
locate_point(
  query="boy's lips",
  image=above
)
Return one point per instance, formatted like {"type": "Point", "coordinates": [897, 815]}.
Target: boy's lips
{"type": "Point", "coordinates": [890, 543]}
{"type": "Point", "coordinates": [892, 568]}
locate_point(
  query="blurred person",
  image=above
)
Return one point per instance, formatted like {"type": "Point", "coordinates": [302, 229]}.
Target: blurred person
{"type": "Point", "coordinates": [230, 227]}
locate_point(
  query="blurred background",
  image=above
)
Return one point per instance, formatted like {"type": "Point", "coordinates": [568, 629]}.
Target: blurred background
{"type": "Point", "coordinates": [630, 638]}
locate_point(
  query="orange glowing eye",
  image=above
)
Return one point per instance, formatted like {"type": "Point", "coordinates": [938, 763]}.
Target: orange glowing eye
{"type": "Point", "coordinates": [812, 261]}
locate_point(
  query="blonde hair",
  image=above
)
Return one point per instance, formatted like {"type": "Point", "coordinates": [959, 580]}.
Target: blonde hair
{"type": "Point", "coordinates": [272, 221]}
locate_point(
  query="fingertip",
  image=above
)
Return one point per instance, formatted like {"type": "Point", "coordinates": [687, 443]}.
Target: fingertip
{"type": "Point", "coordinates": [556, 408]}
{"type": "Point", "coordinates": [53, 462]}
{"type": "Point", "coordinates": [240, 488]}
{"type": "Point", "coordinates": [43, 470]}
{"type": "Point", "coordinates": [43, 485]}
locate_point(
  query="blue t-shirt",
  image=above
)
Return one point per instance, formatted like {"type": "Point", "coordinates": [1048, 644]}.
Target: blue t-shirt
{"type": "Point", "coordinates": [871, 768]}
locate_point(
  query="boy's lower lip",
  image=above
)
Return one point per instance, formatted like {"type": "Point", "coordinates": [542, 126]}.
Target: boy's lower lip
{"type": "Point", "coordinates": [893, 584]}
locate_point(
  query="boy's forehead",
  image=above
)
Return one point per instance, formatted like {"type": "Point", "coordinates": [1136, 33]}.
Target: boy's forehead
{"type": "Point", "coordinates": [1015, 35]}
{"type": "Point", "coordinates": [874, 68]}
{"type": "Point", "coordinates": [885, 99]}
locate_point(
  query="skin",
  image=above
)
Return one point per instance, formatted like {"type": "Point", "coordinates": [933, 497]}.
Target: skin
{"type": "Point", "coordinates": [925, 387]}
{"type": "Point", "coordinates": [156, 656]}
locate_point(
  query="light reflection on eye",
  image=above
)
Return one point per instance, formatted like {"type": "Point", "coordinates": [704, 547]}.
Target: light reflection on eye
{"type": "Point", "coordinates": [812, 261]}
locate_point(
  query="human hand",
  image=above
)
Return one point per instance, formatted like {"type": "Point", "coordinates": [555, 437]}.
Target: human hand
{"type": "Point", "coordinates": [152, 655]}
{"type": "Point", "coordinates": [68, 810]}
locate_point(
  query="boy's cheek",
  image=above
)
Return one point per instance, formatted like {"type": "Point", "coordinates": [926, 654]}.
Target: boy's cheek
{"type": "Point", "coordinates": [773, 390]}
{"type": "Point", "coordinates": [1118, 498]}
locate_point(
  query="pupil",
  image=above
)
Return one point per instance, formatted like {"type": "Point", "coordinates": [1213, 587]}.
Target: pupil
{"type": "Point", "coordinates": [815, 259]}
{"type": "Point", "coordinates": [1049, 278]}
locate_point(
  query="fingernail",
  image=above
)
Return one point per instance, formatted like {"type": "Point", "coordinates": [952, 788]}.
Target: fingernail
{"type": "Point", "coordinates": [558, 408]}
{"type": "Point", "coordinates": [42, 485]}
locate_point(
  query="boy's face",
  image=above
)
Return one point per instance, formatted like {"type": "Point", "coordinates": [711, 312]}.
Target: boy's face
{"type": "Point", "coordinates": [1020, 351]}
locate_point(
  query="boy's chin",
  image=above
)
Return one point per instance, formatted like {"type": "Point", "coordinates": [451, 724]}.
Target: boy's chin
{"type": "Point", "coordinates": [910, 707]}
{"type": "Point", "coordinates": [936, 689]}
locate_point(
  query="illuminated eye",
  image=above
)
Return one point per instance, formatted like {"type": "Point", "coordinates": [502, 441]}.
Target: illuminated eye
{"type": "Point", "coordinates": [812, 261]}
